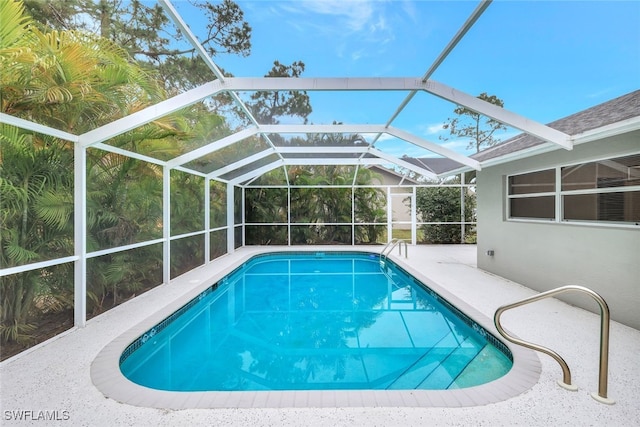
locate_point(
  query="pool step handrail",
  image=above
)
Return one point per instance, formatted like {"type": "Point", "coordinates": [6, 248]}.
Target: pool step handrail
{"type": "Point", "coordinates": [601, 395]}
{"type": "Point", "coordinates": [384, 253]}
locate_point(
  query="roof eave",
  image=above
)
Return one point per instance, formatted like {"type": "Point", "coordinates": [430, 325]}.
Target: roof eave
{"type": "Point", "coordinates": [607, 131]}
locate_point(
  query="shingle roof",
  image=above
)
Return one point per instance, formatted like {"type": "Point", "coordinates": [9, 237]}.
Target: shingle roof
{"type": "Point", "coordinates": [382, 169]}
{"type": "Point", "coordinates": [615, 110]}
{"type": "Point", "coordinates": [436, 165]}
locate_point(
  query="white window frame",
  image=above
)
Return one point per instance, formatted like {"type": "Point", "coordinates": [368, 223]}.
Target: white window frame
{"type": "Point", "coordinates": [559, 195]}
{"type": "Point", "coordinates": [510, 197]}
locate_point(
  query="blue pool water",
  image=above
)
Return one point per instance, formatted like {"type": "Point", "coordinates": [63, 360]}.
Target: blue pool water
{"type": "Point", "coordinates": [302, 321]}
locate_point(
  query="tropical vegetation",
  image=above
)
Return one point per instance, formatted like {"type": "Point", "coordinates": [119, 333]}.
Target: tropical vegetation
{"type": "Point", "coordinates": [440, 209]}
{"type": "Point", "coordinates": [81, 64]}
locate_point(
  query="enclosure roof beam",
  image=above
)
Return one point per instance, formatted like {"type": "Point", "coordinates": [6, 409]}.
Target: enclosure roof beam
{"type": "Point", "coordinates": [338, 128]}
{"type": "Point", "coordinates": [257, 172]}
{"type": "Point", "coordinates": [479, 10]}
{"type": "Point", "coordinates": [240, 163]}
{"type": "Point", "coordinates": [149, 114]}
{"type": "Point", "coordinates": [191, 171]}
{"type": "Point", "coordinates": [283, 129]}
{"type": "Point", "coordinates": [329, 161]}
{"type": "Point", "coordinates": [127, 153]}
{"type": "Point", "coordinates": [191, 38]}
{"type": "Point", "coordinates": [393, 159]}
{"type": "Point", "coordinates": [321, 149]}
{"type": "Point", "coordinates": [311, 162]}
{"type": "Point", "coordinates": [36, 127]}
{"type": "Point", "coordinates": [471, 20]}
{"type": "Point", "coordinates": [435, 88]}
{"type": "Point", "coordinates": [339, 84]}
{"type": "Point", "coordinates": [211, 147]}
{"type": "Point", "coordinates": [296, 161]}
{"type": "Point", "coordinates": [427, 145]}
{"type": "Point", "coordinates": [433, 147]}
{"type": "Point", "coordinates": [184, 28]}
{"type": "Point", "coordinates": [507, 117]}
{"type": "Point", "coordinates": [322, 83]}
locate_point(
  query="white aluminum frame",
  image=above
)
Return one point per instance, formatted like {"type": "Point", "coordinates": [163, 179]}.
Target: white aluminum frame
{"type": "Point", "coordinates": [389, 195]}
{"type": "Point", "coordinates": [96, 139]}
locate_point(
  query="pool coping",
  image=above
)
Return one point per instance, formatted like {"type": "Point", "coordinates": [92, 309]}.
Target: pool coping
{"type": "Point", "coordinates": [108, 379]}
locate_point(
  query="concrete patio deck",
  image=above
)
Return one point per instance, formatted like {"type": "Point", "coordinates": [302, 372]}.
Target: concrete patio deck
{"type": "Point", "coordinates": [55, 376]}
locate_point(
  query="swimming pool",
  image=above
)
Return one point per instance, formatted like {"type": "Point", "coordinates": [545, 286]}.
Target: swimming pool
{"type": "Point", "coordinates": [316, 321]}
{"type": "Point", "coordinates": [132, 320]}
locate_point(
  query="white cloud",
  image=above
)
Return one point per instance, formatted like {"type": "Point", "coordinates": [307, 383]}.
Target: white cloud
{"type": "Point", "coordinates": [355, 55]}
{"type": "Point", "coordinates": [433, 128]}
{"type": "Point", "coordinates": [344, 23]}
{"type": "Point", "coordinates": [457, 145]}
{"type": "Point", "coordinates": [409, 9]}
{"type": "Point", "coordinates": [379, 25]}
{"type": "Point", "coordinates": [384, 137]}
{"type": "Point", "coordinates": [352, 15]}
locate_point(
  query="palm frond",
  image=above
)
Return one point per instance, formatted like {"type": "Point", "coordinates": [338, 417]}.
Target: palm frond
{"type": "Point", "coordinates": [55, 208]}
{"type": "Point", "coordinates": [14, 24]}
{"type": "Point", "coordinates": [13, 198]}
{"type": "Point", "coordinates": [15, 253]}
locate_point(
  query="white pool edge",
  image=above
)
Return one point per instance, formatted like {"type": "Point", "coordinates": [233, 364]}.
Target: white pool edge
{"type": "Point", "coordinates": [107, 377]}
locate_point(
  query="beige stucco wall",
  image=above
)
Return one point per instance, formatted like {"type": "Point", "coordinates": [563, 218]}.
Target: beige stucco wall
{"type": "Point", "coordinates": [544, 256]}
{"type": "Point", "coordinates": [401, 211]}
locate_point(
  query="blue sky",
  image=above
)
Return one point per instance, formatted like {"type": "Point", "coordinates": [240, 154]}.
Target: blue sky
{"type": "Point", "coordinates": [545, 59]}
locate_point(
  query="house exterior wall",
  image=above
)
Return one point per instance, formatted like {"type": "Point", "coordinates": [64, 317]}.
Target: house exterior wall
{"type": "Point", "coordinates": [544, 256]}
{"type": "Point", "coordinates": [401, 212]}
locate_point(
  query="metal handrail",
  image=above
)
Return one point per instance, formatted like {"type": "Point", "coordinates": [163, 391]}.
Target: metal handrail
{"type": "Point", "coordinates": [601, 395]}
{"type": "Point", "coordinates": [392, 244]}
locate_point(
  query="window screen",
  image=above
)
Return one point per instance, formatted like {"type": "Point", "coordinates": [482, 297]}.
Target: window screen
{"type": "Point", "coordinates": [533, 207]}
{"type": "Point", "coordinates": [534, 182]}
{"type": "Point", "coordinates": [618, 172]}
{"type": "Point", "coordinates": [529, 195]}
{"type": "Point", "coordinates": [610, 207]}
{"type": "Point", "coordinates": [606, 191]}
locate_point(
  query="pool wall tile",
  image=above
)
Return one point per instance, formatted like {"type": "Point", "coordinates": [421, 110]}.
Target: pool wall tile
{"type": "Point", "coordinates": [327, 399]}
{"type": "Point", "coordinates": [354, 397]}
{"type": "Point", "coordinates": [273, 399]}
{"type": "Point", "coordinates": [261, 399]}
{"type": "Point", "coordinates": [288, 399]}
{"type": "Point", "coordinates": [301, 399]}
{"type": "Point", "coordinates": [369, 398]}
{"type": "Point", "coordinates": [247, 399]}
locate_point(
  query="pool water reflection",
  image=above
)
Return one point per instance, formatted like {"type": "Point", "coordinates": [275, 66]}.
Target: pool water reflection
{"type": "Point", "coordinates": [315, 321]}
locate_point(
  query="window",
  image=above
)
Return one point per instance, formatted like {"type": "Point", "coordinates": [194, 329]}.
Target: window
{"type": "Point", "coordinates": [534, 182]}
{"type": "Point", "coordinates": [604, 191]}
{"type": "Point", "coordinates": [532, 195]}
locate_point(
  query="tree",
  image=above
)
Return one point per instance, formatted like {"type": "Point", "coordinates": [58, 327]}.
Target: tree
{"type": "Point", "coordinates": [268, 107]}
{"type": "Point", "coordinates": [73, 81]}
{"type": "Point", "coordinates": [441, 205]}
{"type": "Point", "coordinates": [370, 208]}
{"type": "Point", "coordinates": [148, 35]}
{"type": "Point", "coordinates": [477, 128]}
{"type": "Point", "coordinates": [317, 210]}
